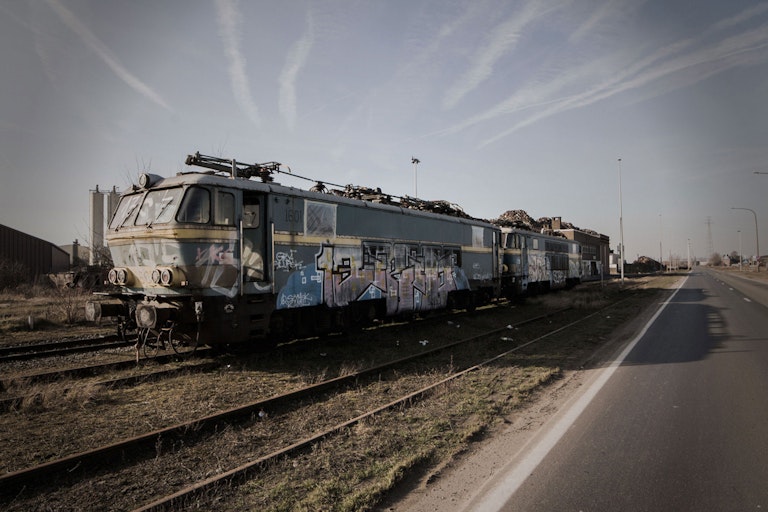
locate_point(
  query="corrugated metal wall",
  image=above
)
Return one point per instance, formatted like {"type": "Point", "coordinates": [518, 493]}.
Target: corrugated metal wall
{"type": "Point", "coordinates": [40, 257]}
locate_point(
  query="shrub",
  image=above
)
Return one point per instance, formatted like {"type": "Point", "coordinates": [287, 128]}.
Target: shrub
{"type": "Point", "coordinates": [12, 274]}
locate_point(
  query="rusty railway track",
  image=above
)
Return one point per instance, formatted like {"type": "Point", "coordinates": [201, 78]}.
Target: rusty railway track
{"type": "Point", "coordinates": [11, 403]}
{"type": "Point", "coordinates": [96, 369]}
{"type": "Point", "coordinates": [58, 348]}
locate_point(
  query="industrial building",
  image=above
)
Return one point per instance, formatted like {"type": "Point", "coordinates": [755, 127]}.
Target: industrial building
{"type": "Point", "coordinates": [595, 248]}
{"type": "Point", "coordinates": [32, 255]}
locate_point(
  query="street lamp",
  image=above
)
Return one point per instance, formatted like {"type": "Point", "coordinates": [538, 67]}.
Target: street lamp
{"type": "Point", "coordinates": [661, 254]}
{"type": "Point", "coordinates": [621, 228]}
{"type": "Point", "coordinates": [757, 238]}
{"type": "Point", "coordinates": [415, 161]}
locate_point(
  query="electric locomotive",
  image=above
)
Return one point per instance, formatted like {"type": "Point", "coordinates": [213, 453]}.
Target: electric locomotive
{"type": "Point", "coordinates": [538, 262]}
{"type": "Point", "coordinates": [222, 258]}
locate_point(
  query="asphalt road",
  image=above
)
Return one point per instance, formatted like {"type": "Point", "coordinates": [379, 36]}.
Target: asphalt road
{"type": "Point", "coordinates": [680, 424]}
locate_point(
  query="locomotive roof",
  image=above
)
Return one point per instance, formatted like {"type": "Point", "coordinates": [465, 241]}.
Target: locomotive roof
{"type": "Point", "coordinates": [213, 179]}
{"type": "Point", "coordinates": [554, 235]}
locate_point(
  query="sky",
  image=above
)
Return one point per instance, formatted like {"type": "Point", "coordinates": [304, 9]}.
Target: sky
{"type": "Point", "coordinates": [508, 105]}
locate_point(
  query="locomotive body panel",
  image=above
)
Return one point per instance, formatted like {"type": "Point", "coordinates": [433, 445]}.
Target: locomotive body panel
{"type": "Point", "coordinates": [352, 251]}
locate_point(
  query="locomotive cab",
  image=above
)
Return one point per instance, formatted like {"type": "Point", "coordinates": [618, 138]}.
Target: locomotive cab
{"type": "Point", "coordinates": [189, 248]}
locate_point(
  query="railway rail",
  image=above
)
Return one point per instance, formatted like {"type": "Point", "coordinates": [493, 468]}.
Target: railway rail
{"type": "Point", "coordinates": [59, 348]}
{"type": "Point", "coordinates": [95, 369]}
{"type": "Point", "coordinates": [14, 402]}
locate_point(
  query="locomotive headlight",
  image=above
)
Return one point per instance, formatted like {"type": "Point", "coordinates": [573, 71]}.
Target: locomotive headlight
{"type": "Point", "coordinates": [169, 276]}
{"type": "Point", "coordinates": [146, 180]}
{"type": "Point", "coordinates": [120, 277]}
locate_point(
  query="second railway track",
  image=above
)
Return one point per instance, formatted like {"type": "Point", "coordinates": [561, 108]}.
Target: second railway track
{"type": "Point", "coordinates": [57, 348]}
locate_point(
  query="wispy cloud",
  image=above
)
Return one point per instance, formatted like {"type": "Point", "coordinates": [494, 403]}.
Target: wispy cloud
{"type": "Point", "coordinates": [297, 58]}
{"type": "Point", "coordinates": [741, 17]}
{"type": "Point", "coordinates": [95, 44]}
{"type": "Point", "coordinates": [502, 39]}
{"type": "Point", "coordinates": [608, 10]}
{"type": "Point", "coordinates": [229, 18]}
{"type": "Point", "coordinates": [673, 66]}
{"type": "Point", "coordinates": [749, 48]}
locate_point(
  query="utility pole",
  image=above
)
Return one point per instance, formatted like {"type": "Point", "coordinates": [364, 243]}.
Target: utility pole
{"type": "Point", "coordinates": [757, 237]}
{"type": "Point", "coordinates": [710, 245]}
{"type": "Point", "coordinates": [741, 254]}
{"type": "Point", "coordinates": [621, 228]}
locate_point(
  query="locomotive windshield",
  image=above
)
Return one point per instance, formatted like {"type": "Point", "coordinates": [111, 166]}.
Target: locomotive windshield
{"type": "Point", "coordinates": [162, 206]}
{"type": "Point", "coordinates": [125, 210]}
{"type": "Point", "coordinates": [158, 207]}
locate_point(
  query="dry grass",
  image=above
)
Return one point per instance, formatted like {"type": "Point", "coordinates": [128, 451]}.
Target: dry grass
{"type": "Point", "coordinates": [746, 272]}
{"type": "Point", "coordinates": [29, 313]}
{"type": "Point", "coordinates": [37, 398]}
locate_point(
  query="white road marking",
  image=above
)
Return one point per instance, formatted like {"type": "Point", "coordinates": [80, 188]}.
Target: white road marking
{"type": "Point", "coordinates": [746, 299]}
{"type": "Point", "coordinates": [503, 490]}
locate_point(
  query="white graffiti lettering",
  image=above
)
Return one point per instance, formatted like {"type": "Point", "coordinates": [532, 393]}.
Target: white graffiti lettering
{"type": "Point", "coordinates": [296, 300]}
{"type": "Point", "coordinates": [286, 261]}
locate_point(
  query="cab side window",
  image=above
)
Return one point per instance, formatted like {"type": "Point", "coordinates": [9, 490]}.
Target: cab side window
{"type": "Point", "coordinates": [225, 209]}
{"type": "Point", "coordinates": [196, 206]}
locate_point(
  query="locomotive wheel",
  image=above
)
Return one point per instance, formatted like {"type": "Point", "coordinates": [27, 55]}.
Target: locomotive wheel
{"type": "Point", "coordinates": [180, 341]}
{"type": "Point", "coordinates": [152, 341]}
{"type": "Point", "coordinates": [127, 332]}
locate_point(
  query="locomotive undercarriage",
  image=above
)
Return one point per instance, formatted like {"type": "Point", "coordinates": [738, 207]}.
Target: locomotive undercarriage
{"type": "Point", "coordinates": [248, 322]}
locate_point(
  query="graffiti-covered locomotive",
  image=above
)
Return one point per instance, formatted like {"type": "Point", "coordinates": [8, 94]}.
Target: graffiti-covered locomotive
{"type": "Point", "coordinates": [226, 259]}
{"type": "Point", "coordinates": [538, 262]}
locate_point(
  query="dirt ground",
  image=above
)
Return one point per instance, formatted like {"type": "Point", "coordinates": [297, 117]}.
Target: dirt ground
{"type": "Point", "coordinates": [452, 486]}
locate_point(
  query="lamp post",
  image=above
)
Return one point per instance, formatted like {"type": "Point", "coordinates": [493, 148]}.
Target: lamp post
{"type": "Point", "coordinates": [621, 228]}
{"type": "Point", "coordinates": [757, 238]}
{"type": "Point", "coordinates": [661, 254]}
{"type": "Point", "coordinates": [415, 161]}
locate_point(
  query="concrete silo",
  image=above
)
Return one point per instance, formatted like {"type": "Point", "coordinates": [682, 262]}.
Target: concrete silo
{"type": "Point", "coordinates": [97, 225]}
{"type": "Point", "coordinates": [113, 197]}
